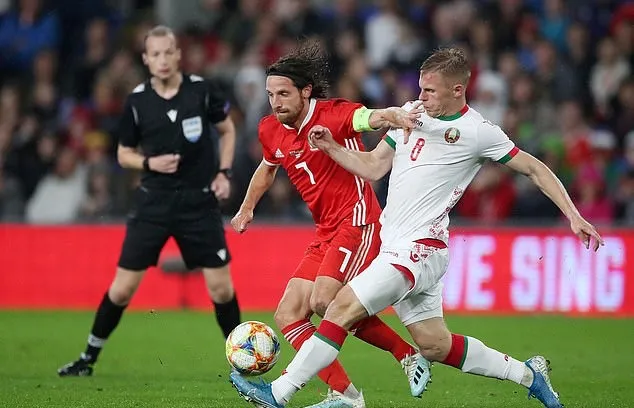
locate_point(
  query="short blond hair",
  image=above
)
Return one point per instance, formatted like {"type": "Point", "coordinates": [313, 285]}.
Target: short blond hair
{"type": "Point", "coordinates": [450, 62]}
{"type": "Point", "coordinates": [160, 31]}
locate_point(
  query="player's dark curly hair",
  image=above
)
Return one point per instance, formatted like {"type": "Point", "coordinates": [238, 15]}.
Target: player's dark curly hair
{"type": "Point", "coordinates": [305, 65]}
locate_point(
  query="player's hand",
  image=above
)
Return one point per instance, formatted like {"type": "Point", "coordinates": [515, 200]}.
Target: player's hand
{"type": "Point", "coordinates": [240, 221]}
{"type": "Point", "coordinates": [221, 186]}
{"type": "Point", "coordinates": [165, 163]}
{"type": "Point", "coordinates": [586, 231]}
{"type": "Point", "coordinates": [400, 118]}
{"type": "Point", "coordinates": [320, 137]}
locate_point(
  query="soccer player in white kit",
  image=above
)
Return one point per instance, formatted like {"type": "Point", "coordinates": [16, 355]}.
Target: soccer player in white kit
{"type": "Point", "coordinates": [431, 168]}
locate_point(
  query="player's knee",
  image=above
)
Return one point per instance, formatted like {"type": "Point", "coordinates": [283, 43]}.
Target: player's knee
{"type": "Point", "coordinates": [219, 285]}
{"type": "Point", "coordinates": [289, 313]}
{"type": "Point", "coordinates": [121, 294]}
{"type": "Point", "coordinates": [221, 292]}
{"type": "Point", "coordinates": [345, 310]}
{"type": "Point", "coordinates": [319, 302]}
{"type": "Point", "coordinates": [124, 285]}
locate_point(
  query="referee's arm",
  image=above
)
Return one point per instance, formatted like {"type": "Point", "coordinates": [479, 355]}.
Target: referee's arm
{"type": "Point", "coordinates": [227, 133]}
{"type": "Point", "coordinates": [218, 113]}
{"type": "Point", "coordinates": [127, 153]}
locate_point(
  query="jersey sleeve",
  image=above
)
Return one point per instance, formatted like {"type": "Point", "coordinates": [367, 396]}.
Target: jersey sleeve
{"type": "Point", "coordinates": [268, 155]}
{"type": "Point", "coordinates": [216, 103]}
{"type": "Point", "coordinates": [342, 112]}
{"type": "Point", "coordinates": [127, 129]}
{"type": "Point", "coordinates": [494, 144]}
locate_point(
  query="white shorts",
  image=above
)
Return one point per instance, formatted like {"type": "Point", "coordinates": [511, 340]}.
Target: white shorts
{"type": "Point", "coordinates": [408, 279]}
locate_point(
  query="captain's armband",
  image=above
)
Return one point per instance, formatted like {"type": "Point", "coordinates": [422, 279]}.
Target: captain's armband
{"type": "Point", "coordinates": [361, 120]}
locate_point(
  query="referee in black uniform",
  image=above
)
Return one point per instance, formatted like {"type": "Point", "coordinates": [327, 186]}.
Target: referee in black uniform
{"type": "Point", "coordinates": [165, 131]}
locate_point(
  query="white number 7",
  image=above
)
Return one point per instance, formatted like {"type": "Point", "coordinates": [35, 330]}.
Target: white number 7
{"type": "Point", "coordinates": [304, 166]}
{"type": "Point", "coordinates": [346, 258]}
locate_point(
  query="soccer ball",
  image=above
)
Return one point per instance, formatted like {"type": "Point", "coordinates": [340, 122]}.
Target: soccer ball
{"type": "Point", "coordinates": [252, 348]}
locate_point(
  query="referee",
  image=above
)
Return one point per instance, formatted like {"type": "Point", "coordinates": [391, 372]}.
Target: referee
{"type": "Point", "coordinates": [165, 131]}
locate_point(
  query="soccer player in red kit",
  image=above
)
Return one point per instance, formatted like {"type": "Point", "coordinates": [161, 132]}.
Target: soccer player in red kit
{"type": "Point", "coordinates": [344, 207]}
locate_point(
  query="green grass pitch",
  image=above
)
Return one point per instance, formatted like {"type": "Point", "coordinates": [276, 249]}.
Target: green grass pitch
{"type": "Point", "coordinates": [176, 359]}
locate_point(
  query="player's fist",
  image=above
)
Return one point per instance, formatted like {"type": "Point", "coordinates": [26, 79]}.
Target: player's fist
{"type": "Point", "coordinates": [241, 220]}
{"type": "Point", "coordinates": [320, 137]}
{"type": "Point", "coordinates": [165, 163]}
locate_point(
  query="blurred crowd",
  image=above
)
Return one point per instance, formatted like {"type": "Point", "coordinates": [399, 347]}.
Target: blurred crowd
{"type": "Point", "coordinates": [556, 75]}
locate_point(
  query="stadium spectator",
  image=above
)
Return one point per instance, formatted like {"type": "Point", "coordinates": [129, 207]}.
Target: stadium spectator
{"type": "Point", "coordinates": [25, 32]}
{"type": "Point", "coordinates": [544, 53]}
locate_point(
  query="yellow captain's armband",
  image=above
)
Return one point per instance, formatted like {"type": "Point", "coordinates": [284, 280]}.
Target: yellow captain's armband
{"type": "Point", "coordinates": [361, 120]}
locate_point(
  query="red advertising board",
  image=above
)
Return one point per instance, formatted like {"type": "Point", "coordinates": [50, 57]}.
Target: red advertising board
{"type": "Point", "coordinates": [491, 270]}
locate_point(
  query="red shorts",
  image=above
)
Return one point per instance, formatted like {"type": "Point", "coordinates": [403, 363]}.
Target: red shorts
{"type": "Point", "coordinates": [346, 255]}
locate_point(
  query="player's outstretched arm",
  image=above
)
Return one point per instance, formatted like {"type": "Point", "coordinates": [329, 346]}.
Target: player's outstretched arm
{"type": "Point", "coordinates": [367, 165]}
{"type": "Point", "coordinates": [550, 185]}
{"type": "Point", "coordinates": [261, 181]}
{"type": "Point", "coordinates": [395, 117]}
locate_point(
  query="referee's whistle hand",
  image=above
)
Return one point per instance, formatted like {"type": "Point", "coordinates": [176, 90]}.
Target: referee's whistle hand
{"type": "Point", "coordinates": [165, 163]}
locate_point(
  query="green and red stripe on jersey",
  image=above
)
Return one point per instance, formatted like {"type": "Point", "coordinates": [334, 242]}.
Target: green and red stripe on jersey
{"type": "Point", "coordinates": [389, 141]}
{"type": "Point", "coordinates": [514, 151]}
{"type": "Point", "coordinates": [455, 115]}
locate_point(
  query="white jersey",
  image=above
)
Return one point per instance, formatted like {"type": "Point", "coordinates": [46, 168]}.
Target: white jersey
{"type": "Point", "coordinates": [431, 172]}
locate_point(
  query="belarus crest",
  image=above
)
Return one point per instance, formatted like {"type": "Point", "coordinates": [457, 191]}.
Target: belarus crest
{"type": "Point", "coordinates": [452, 135]}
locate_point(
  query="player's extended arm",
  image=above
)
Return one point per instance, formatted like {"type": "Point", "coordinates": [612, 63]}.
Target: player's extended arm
{"type": "Point", "coordinates": [227, 131]}
{"type": "Point", "coordinates": [550, 185]}
{"type": "Point", "coordinates": [367, 165]}
{"type": "Point", "coordinates": [365, 119]}
{"type": "Point", "coordinates": [261, 181]}
{"type": "Point", "coordinates": [371, 166]}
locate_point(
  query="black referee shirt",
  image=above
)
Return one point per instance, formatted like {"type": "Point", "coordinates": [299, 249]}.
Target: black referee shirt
{"type": "Point", "coordinates": [180, 125]}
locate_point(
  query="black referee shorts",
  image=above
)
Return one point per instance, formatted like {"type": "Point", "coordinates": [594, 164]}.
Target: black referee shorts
{"type": "Point", "coordinates": [192, 217]}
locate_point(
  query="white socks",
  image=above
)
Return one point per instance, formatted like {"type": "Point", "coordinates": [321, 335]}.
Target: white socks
{"type": "Point", "coordinates": [314, 355]}
{"type": "Point", "coordinates": [483, 360]}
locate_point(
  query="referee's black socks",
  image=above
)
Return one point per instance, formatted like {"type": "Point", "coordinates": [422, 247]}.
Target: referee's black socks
{"type": "Point", "coordinates": [228, 315]}
{"type": "Point", "coordinates": [106, 320]}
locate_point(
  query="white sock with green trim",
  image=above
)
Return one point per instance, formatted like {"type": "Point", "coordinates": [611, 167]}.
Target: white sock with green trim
{"type": "Point", "coordinates": [479, 359]}
{"type": "Point", "coordinates": [317, 353]}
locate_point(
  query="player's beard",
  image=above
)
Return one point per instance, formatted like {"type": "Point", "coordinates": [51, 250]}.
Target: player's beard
{"type": "Point", "coordinates": [289, 118]}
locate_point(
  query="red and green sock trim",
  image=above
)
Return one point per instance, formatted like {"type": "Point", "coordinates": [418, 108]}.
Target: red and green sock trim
{"type": "Point", "coordinates": [458, 352]}
{"type": "Point", "coordinates": [331, 333]}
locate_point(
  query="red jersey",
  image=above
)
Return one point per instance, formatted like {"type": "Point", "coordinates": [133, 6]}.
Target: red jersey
{"type": "Point", "coordinates": [332, 193]}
